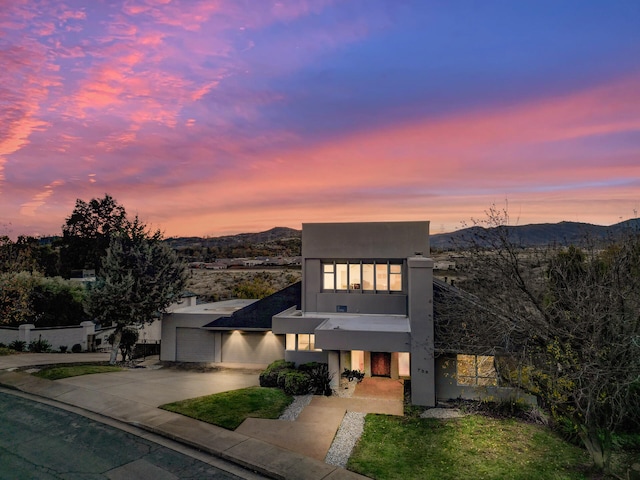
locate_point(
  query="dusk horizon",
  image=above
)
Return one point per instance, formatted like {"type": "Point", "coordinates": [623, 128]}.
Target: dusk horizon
{"type": "Point", "coordinates": [218, 118]}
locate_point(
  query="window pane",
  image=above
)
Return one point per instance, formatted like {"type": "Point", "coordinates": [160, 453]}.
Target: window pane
{"type": "Point", "coordinates": [466, 366]}
{"type": "Point", "coordinates": [382, 277]}
{"type": "Point", "coordinates": [367, 276]}
{"type": "Point", "coordinates": [354, 276]}
{"type": "Point", "coordinates": [290, 341]}
{"type": "Point", "coordinates": [328, 276]}
{"type": "Point", "coordinates": [341, 276]}
{"type": "Point", "coordinates": [303, 341]}
{"type": "Point", "coordinates": [395, 282]}
{"type": "Point", "coordinates": [394, 268]}
{"type": "Point", "coordinates": [312, 341]}
{"type": "Point", "coordinates": [486, 367]}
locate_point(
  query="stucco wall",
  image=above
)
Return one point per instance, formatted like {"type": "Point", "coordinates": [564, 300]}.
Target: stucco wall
{"type": "Point", "coordinates": [299, 357]}
{"type": "Point", "coordinates": [374, 240]}
{"type": "Point", "coordinates": [56, 336]}
{"type": "Point", "coordinates": [252, 347]}
{"type": "Point", "coordinates": [8, 335]}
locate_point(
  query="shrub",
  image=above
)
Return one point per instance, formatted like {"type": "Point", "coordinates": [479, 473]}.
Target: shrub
{"type": "Point", "coordinates": [269, 377]}
{"type": "Point", "coordinates": [2, 345]}
{"type": "Point", "coordinates": [18, 345]}
{"type": "Point", "coordinates": [319, 377]}
{"type": "Point", "coordinates": [297, 383]}
{"type": "Point", "coordinates": [77, 348]}
{"type": "Point", "coordinates": [282, 377]}
{"type": "Point", "coordinates": [353, 374]}
{"type": "Point", "coordinates": [39, 346]}
{"type": "Point", "coordinates": [63, 348]}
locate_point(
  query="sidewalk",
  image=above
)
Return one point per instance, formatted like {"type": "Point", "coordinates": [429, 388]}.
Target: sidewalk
{"type": "Point", "coordinates": [253, 453]}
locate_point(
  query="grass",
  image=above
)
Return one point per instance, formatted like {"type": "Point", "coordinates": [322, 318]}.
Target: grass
{"type": "Point", "coordinates": [58, 372]}
{"type": "Point", "coordinates": [6, 351]}
{"type": "Point", "coordinates": [230, 409]}
{"type": "Point", "coordinates": [470, 447]}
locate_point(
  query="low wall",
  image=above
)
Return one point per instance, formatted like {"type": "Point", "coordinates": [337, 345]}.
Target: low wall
{"type": "Point", "coordinates": [56, 336]}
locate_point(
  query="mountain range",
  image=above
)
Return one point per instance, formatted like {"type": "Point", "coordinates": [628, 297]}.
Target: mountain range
{"type": "Point", "coordinates": [563, 233]}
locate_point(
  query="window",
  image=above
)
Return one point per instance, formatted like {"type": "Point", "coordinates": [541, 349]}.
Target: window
{"type": "Point", "coordinates": [476, 370]}
{"type": "Point", "coordinates": [301, 341]}
{"type": "Point", "coordinates": [377, 276]}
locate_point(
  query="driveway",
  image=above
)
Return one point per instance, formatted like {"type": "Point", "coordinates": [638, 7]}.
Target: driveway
{"type": "Point", "coordinates": [155, 387]}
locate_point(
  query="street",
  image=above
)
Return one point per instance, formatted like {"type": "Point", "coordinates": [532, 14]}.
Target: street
{"type": "Point", "coordinates": [43, 442]}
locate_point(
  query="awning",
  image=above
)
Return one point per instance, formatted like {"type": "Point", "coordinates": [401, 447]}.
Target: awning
{"type": "Point", "coordinates": [373, 333]}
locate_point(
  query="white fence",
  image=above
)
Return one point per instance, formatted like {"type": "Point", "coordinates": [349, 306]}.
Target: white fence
{"type": "Point", "coordinates": [83, 334]}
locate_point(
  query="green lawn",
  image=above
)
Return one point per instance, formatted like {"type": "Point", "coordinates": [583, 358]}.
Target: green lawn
{"type": "Point", "coordinates": [65, 371]}
{"type": "Point", "coordinates": [470, 447]}
{"type": "Point", "coordinates": [229, 409]}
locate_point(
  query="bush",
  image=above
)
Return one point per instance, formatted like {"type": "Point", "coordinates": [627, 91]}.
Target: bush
{"type": "Point", "coordinates": [77, 348]}
{"type": "Point", "coordinates": [297, 383]}
{"type": "Point", "coordinates": [319, 377]}
{"type": "Point", "coordinates": [2, 345]}
{"type": "Point", "coordinates": [353, 374]}
{"type": "Point", "coordinates": [18, 345]}
{"type": "Point", "coordinates": [39, 346]}
{"type": "Point", "coordinates": [63, 348]}
{"type": "Point", "coordinates": [269, 377]}
{"type": "Point", "coordinates": [282, 377]}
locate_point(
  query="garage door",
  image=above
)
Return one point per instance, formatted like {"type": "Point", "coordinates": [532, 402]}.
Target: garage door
{"type": "Point", "coordinates": [252, 347]}
{"type": "Point", "coordinates": [194, 345]}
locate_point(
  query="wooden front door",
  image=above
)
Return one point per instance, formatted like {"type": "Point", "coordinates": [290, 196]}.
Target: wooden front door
{"type": "Point", "coordinates": [380, 364]}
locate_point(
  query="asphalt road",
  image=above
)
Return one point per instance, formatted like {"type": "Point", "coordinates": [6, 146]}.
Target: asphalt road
{"type": "Point", "coordinates": [39, 441]}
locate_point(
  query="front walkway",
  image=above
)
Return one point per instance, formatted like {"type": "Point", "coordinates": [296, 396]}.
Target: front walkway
{"type": "Point", "coordinates": [312, 433]}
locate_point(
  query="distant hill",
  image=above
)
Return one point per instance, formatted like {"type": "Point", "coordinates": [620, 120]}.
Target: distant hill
{"type": "Point", "coordinates": [563, 233]}
{"type": "Point", "coordinates": [274, 235]}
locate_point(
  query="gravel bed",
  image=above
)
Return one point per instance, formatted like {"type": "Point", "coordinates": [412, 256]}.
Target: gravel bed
{"type": "Point", "coordinates": [346, 438]}
{"type": "Point", "coordinates": [294, 409]}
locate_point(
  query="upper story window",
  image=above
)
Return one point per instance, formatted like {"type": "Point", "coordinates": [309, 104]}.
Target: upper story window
{"type": "Point", "coordinates": [377, 276]}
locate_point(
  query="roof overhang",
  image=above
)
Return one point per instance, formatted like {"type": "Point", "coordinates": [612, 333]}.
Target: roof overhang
{"type": "Point", "coordinates": [373, 333]}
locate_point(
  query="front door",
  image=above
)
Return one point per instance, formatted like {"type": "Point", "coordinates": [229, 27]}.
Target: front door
{"type": "Point", "coordinates": [380, 364]}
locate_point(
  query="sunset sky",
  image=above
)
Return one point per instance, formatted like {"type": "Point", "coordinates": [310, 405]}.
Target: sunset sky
{"type": "Point", "coordinates": [212, 117]}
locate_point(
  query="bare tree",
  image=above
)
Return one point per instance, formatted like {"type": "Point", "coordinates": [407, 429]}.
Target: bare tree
{"type": "Point", "coordinates": [569, 317]}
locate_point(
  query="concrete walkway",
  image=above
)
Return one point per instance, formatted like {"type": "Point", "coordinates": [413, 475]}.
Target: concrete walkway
{"type": "Point", "coordinates": [312, 433]}
{"type": "Point", "coordinates": [132, 396]}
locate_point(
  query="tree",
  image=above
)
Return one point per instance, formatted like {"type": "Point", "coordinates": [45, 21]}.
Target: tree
{"type": "Point", "coordinates": [27, 297]}
{"type": "Point", "coordinates": [571, 319]}
{"type": "Point", "coordinates": [140, 277]}
{"type": "Point", "coordinates": [88, 231]}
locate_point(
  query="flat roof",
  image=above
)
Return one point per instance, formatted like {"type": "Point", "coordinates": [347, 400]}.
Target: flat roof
{"type": "Point", "coordinates": [365, 323]}
{"type": "Point", "coordinates": [223, 307]}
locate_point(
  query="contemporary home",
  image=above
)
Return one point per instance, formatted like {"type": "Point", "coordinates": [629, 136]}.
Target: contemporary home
{"type": "Point", "coordinates": [368, 301]}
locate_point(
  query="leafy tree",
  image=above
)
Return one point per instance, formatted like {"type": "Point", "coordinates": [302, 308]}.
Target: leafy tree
{"type": "Point", "coordinates": [16, 297]}
{"type": "Point", "coordinates": [58, 302]}
{"type": "Point", "coordinates": [27, 297]}
{"type": "Point", "coordinates": [88, 231]}
{"type": "Point", "coordinates": [140, 277]}
{"type": "Point", "coordinates": [571, 322]}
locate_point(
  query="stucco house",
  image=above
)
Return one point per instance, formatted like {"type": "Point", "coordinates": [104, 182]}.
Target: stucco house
{"type": "Point", "coordinates": [367, 301]}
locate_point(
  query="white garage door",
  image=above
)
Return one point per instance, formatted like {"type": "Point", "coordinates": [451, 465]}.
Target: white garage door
{"type": "Point", "coordinates": [194, 345]}
{"type": "Point", "coordinates": [253, 347]}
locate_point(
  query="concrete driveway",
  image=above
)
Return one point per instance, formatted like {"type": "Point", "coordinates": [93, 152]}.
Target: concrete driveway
{"type": "Point", "coordinates": [154, 387]}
